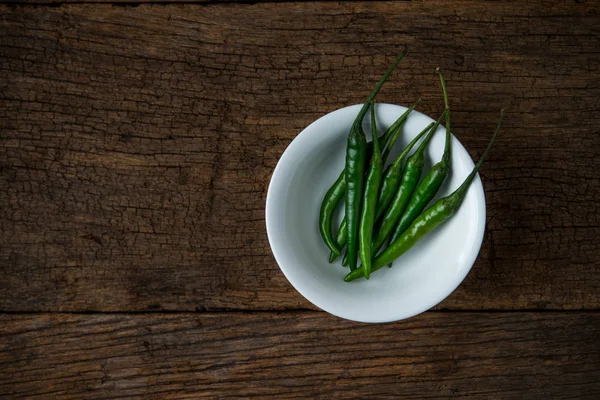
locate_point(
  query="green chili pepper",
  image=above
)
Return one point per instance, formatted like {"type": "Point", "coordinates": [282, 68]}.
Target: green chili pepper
{"type": "Point", "coordinates": [439, 212]}
{"type": "Point", "coordinates": [336, 192]}
{"type": "Point", "coordinates": [388, 139]}
{"type": "Point", "coordinates": [330, 202]}
{"type": "Point", "coordinates": [431, 183]}
{"type": "Point", "coordinates": [372, 182]}
{"type": "Point", "coordinates": [356, 154]}
{"type": "Point", "coordinates": [410, 178]}
{"type": "Point", "coordinates": [390, 181]}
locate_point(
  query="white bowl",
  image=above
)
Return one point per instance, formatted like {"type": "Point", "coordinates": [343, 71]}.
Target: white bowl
{"type": "Point", "coordinates": [421, 278]}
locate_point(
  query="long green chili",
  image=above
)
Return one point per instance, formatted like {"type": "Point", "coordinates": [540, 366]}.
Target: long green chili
{"type": "Point", "coordinates": [356, 154]}
{"type": "Point", "coordinates": [372, 182]}
{"type": "Point", "coordinates": [357, 159]}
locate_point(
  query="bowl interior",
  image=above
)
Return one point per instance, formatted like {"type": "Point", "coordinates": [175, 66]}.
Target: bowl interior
{"type": "Point", "coordinates": [421, 278]}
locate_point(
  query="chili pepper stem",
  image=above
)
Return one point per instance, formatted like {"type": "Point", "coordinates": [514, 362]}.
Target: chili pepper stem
{"type": "Point", "coordinates": [446, 155]}
{"type": "Point", "coordinates": [454, 201]}
{"type": "Point", "coordinates": [365, 107]}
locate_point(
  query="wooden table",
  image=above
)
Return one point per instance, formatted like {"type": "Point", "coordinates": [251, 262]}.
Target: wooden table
{"type": "Point", "coordinates": [136, 146]}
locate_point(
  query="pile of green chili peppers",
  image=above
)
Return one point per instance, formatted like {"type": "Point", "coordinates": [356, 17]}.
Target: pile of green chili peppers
{"type": "Point", "coordinates": [389, 205]}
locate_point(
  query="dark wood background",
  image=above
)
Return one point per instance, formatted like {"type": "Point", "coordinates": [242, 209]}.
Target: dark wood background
{"type": "Point", "coordinates": [136, 146]}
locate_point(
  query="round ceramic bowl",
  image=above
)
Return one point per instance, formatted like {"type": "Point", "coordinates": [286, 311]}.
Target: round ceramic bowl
{"type": "Point", "coordinates": [421, 278]}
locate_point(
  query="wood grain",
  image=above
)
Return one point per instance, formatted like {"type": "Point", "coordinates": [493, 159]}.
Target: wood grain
{"type": "Point", "coordinates": [300, 355]}
{"type": "Point", "coordinates": [137, 143]}
{"type": "Point", "coordinates": [125, 3]}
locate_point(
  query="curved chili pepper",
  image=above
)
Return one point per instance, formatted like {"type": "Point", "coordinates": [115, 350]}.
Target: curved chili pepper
{"type": "Point", "coordinates": [431, 183]}
{"type": "Point", "coordinates": [390, 181]}
{"type": "Point", "coordinates": [388, 139]}
{"type": "Point", "coordinates": [372, 182]}
{"type": "Point", "coordinates": [330, 202]}
{"type": "Point", "coordinates": [435, 215]}
{"type": "Point", "coordinates": [410, 178]}
{"type": "Point", "coordinates": [357, 158]}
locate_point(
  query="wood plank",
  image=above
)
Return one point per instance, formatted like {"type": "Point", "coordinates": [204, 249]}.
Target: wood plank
{"type": "Point", "coordinates": [135, 2]}
{"type": "Point", "coordinates": [137, 143]}
{"type": "Point", "coordinates": [121, 2]}
{"type": "Point", "coordinates": [300, 355]}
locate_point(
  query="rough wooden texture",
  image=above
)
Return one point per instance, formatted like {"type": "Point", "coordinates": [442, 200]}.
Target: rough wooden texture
{"type": "Point", "coordinates": [300, 355]}
{"type": "Point", "coordinates": [127, 3]}
{"type": "Point", "coordinates": [137, 143]}
{"type": "Point", "coordinates": [124, 3]}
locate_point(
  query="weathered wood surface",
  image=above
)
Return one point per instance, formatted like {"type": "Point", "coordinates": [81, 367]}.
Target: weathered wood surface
{"type": "Point", "coordinates": [137, 143]}
{"type": "Point", "coordinates": [300, 355]}
{"type": "Point", "coordinates": [126, 3]}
